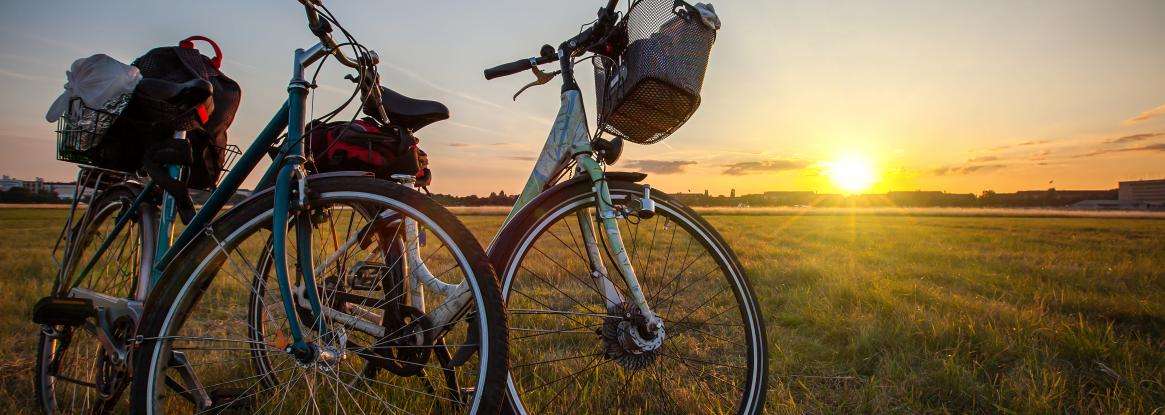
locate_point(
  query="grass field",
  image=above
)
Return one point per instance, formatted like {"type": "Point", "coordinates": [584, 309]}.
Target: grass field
{"type": "Point", "coordinates": [867, 313]}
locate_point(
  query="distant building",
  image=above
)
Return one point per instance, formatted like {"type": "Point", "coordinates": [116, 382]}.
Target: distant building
{"type": "Point", "coordinates": [789, 198]}
{"type": "Point", "coordinates": [1142, 191]}
{"type": "Point", "coordinates": [8, 183]}
{"type": "Point", "coordinates": [1045, 198]}
{"type": "Point", "coordinates": [63, 190]}
{"type": "Point", "coordinates": [922, 198]}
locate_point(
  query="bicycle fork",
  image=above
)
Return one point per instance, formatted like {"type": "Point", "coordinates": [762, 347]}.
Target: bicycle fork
{"type": "Point", "coordinates": [608, 217]}
{"type": "Point", "coordinates": [292, 176]}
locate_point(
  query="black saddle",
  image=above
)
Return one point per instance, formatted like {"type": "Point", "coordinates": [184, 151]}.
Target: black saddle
{"type": "Point", "coordinates": [410, 113]}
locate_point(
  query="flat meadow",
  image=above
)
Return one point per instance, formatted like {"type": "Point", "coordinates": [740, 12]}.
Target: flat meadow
{"type": "Point", "coordinates": [902, 312]}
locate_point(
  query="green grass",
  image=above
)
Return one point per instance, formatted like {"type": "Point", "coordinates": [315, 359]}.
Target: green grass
{"type": "Point", "coordinates": [868, 313]}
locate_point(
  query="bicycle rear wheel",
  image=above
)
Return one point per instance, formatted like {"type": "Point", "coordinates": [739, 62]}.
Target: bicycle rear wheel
{"type": "Point", "coordinates": [74, 374]}
{"type": "Point", "coordinates": [570, 353]}
{"type": "Point", "coordinates": [216, 335]}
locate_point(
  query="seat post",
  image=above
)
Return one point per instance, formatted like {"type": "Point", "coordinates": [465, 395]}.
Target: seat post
{"type": "Point", "coordinates": [166, 224]}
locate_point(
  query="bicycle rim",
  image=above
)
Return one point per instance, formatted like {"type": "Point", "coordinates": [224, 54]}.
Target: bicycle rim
{"type": "Point", "coordinates": [567, 350]}
{"type": "Point", "coordinates": [245, 366]}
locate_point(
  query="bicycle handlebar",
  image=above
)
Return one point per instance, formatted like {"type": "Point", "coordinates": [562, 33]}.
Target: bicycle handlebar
{"type": "Point", "coordinates": [323, 30]}
{"type": "Point", "coordinates": [517, 66]}
{"type": "Point", "coordinates": [606, 17]}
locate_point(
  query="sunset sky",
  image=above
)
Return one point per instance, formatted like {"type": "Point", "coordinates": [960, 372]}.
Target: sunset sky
{"type": "Point", "coordinates": [931, 95]}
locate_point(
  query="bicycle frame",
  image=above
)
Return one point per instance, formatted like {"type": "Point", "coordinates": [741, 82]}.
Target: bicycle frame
{"type": "Point", "coordinates": [288, 177]}
{"type": "Point", "coordinates": [570, 139]}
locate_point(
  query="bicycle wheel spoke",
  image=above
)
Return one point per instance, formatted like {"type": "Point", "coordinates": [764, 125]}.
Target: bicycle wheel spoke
{"type": "Point", "coordinates": [254, 363]}
{"type": "Point", "coordinates": [688, 282]}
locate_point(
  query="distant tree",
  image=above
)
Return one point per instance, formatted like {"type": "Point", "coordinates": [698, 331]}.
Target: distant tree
{"type": "Point", "coordinates": [22, 195]}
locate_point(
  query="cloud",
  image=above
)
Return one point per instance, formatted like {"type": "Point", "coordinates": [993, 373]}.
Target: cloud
{"type": "Point", "coordinates": [30, 77]}
{"type": "Point", "coordinates": [467, 97]}
{"type": "Point", "coordinates": [1155, 112]}
{"type": "Point", "coordinates": [1040, 155]}
{"type": "Point", "coordinates": [1133, 138]}
{"type": "Point", "coordinates": [1147, 147]}
{"type": "Point", "coordinates": [749, 167]}
{"type": "Point", "coordinates": [1022, 144]}
{"type": "Point", "coordinates": [962, 170]}
{"type": "Point", "coordinates": [458, 144]}
{"type": "Point", "coordinates": [521, 158]}
{"type": "Point", "coordinates": [660, 166]}
{"type": "Point", "coordinates": [982, 159]}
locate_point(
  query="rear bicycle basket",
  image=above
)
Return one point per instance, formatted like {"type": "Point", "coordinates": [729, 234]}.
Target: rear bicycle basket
{"type": "Point", "coordinates": [229, 155]}
{"type": "Point", "coordinates": [82, 128]}
{"type": "Point", "coordinates": [653, 86]}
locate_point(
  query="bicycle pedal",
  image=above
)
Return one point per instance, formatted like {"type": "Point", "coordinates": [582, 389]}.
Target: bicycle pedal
{"type": "Point", "coordinates": [60, 311]}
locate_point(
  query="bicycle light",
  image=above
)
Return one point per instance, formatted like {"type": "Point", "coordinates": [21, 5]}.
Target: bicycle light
{"type": "Point", "coordinates": [646, 205]}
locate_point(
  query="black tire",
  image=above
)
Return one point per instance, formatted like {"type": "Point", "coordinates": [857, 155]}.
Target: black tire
{"type": "Point", "coordinates": [183, 283]}
{"type": "Point", "coordinates": [536, 219]}
{"type": "Point", "coordinates": [120, 282]}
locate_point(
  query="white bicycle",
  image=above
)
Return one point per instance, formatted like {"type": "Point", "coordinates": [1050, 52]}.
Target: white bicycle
{"type": "Point", "coordinates": [620, 299]}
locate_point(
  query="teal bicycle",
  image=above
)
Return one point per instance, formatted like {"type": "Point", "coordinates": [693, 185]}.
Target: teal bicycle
{"type": "Point", "coordinates": [319, 293]}
{"type": "Point", "coordinates": [621, 299]}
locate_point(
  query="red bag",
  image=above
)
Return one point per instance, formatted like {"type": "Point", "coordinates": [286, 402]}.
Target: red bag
{"type": "Point", "coordinates": [363, 145]}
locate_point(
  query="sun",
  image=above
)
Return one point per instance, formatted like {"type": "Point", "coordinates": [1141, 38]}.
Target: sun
{"type": "Point", "coordinates": [851, 173]}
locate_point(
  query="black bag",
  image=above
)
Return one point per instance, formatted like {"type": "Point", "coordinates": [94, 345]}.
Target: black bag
{"type": "Point", "coordinates": [365, 145]}
{"type": "Point", "coordinates": [206, 132]}
{"type": "Point", "coordinates": [142, 137]}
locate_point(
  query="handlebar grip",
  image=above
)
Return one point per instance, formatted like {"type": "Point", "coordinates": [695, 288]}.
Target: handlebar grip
{"type": "Point", "coordinates": [517, 66]}
{"type": "Point", "coordinates": [508, 69]}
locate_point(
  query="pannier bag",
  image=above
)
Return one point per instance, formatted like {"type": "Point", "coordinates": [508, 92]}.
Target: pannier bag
{"type": "Point", "coordinates": [365, 145]}
{"type": "Point", "coordinates": [179, 90]}
{"type": "Point", "coordinates": [652, 86]}
{"type": "Point", "coordinates": [205, 126]}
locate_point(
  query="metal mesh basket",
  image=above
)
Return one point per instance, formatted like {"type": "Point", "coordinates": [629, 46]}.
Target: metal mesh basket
{"type": "Point", "coordinates": [82, 128]}
{"type": "Point", "coordinates": [653, 87]}
{"type": "Point", "coordinates": [230, 154]}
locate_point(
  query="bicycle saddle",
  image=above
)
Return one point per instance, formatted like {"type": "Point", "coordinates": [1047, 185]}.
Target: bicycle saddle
{"type": "Point", "coordinates": [411, 113]}
{"type": "Point", "coordinates": [182, 94]}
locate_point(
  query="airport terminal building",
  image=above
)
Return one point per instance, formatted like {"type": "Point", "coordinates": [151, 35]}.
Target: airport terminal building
{"type": "Point", "coordinates": [1142, 191]}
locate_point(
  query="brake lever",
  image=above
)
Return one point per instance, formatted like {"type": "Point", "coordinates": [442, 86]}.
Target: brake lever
{"type": "Point", "coordinates": [541, 78]}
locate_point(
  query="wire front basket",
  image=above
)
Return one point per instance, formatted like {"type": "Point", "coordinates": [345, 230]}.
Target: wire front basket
{"type": "Point", "coordinates": [653, 86]}
{"type": "Point", "coordinates": [82, 128]}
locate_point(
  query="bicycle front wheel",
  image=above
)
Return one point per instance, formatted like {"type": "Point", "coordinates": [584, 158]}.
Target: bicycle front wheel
{"type": "Point", "coordinates": [571, 352]}
{"type": "Point", "coordinates": [216, 337]}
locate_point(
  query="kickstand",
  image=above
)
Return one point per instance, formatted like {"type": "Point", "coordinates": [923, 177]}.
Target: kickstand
{"type": "Point", "coordinates": [190, 388]}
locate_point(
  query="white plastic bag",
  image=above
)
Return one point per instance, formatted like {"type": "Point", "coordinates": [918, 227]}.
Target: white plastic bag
{"type": "Point", "coordinates": [97, 80]}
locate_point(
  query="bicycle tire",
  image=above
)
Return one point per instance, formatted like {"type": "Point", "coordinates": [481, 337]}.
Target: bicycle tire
{"type": "Point", "coordinates": [197, 263]}
{"type": "Point", "coordinates": [542, 210]}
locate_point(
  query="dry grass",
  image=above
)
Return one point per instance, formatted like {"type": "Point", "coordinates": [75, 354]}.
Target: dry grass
{"type": "Point", "coordinates": [943, 311]}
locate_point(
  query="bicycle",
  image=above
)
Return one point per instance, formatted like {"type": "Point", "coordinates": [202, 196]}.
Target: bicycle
{"type": "Point", "coordinates": [311, 293]}
{"type": "Point", "coordinates": [665, 324]}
